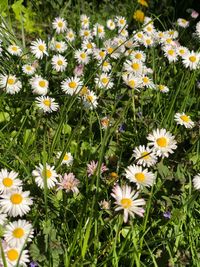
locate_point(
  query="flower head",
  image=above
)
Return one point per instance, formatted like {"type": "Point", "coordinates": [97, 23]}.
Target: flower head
{"type": "Point", "coordinates": [68, 183]}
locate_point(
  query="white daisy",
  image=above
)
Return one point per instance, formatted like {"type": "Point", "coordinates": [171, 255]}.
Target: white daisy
{"type": "Point", "coordinates": [16, 202]}
{"type": "Point", "coordinates": [183, 23]}
{"type": "Point", "coordinates": [41, 174]}
{"type": "Point", "coordinates": [191, 60]}
{"type": "Point", "coordinates": [104, 81]}
{"type": "Point", "coordinates": [138, 55]}
{"type": "Point", "coordinates": [127, 201]}
{"type": "Point", "coordinates": [46, 104]}
{"type": "Point", "coordinates": [81, 57]}
{"type": "Point", "coordinates": [163, 142]}
{"type": "Point", "coordinates": [71, 85]}
{"type": "Point", "coordinates": [86, 34]}
{"type": "Point", "coordinates": [183, 119]}
{"type": "Point", "coordinates": [120, 22]}
{"type": "Point", "coordinates": [8, 181]}
{"type": "Point", "coordinates": [182, 51]}
{"type": "Point", "coordinates": [110, 24]}
{"type": "Point", "coordinates": [39, 85]}
{"type": "Point", "coordinates": [147, 82]}
{"type": "Point", "coordinates": [144, 156]}
{"type": "Point", "coordinates": [39, 48]}
{"type": "Point", "coordinates": [10, 84]}
{"type": "Point", "coordinates": [98, 30]}
{"type": "Point", "coordinates": [59, 63]}
{"type": "Point", "coordinates": [15, 50]}
{"type": "Point", "coordinates": [90, 100]}
{"type": "Point", "coordinates": [170, 53]}
{"type": "Point", "coordinates": [134, 66]}
{"type": "Point", "coordinates": [106, 66]}
{"type": "Point", "coordinates": [162, 88]}
{"type": "Point", "coordinates": [132, 81]}
{"type": "Point", "coordinates": [13, 254]}
{"type": "Point", "coordinates": [142, 178]}
{"type": "Point", "coordinates": [59, 47]}
{"type": "Point", "coordinates": [198, 29]}
{"type": "Point", "coordinates": [67, 159]}
{"type": "Point", "coordinates": [99, 54]}
{"type": "Point", "coordinates": [59, 24]}
{"type": "Point", "coordinates": [28, 69]}
{"type": "Point", "coordinates": [196, 181]}
{"type": "Point", "coordinates": [88, 46]}
{"type": "Point", "coordinates": [17, 232]}
{"type": "Point", "coordinates": [85, 21]}
{"type": "Point", "coordinates": [70, 35]}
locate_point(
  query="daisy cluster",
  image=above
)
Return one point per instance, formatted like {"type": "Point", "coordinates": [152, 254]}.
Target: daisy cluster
{"type": "Point", "coordinates": [17, 232]}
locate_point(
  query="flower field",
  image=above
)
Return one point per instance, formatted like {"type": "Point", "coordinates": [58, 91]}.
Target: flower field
{"type": "Point", "coordinates": [100, 140]}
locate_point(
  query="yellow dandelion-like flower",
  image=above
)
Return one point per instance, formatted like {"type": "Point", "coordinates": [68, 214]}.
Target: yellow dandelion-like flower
{"type": "Point", "coordinates": [139, 15]}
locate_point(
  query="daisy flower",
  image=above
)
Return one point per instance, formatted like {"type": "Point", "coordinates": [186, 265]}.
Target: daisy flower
{"type": "Point", "coordinates": [138, 55]}
{"type": "Point", "coordinates": [162, 88]}
{"type": "Point", "coordinates": [81, 57]}
{"type": "Point", "coordinates": [105, 122]}
{"type": "Point", "coordinates": [99, 54]}
{"type": "Point", "coordinates": [104, 81]}
{"type": "Point", "coordinates": [144, 156]}
{"type": "Point", "coordinates": [106, 66]}
{"type": "Point", "coordinates": [85, 21]}
{"type": "Point", "coordinates": [28, 69]}
{"type": "Point", "coordinates": [8, 181]}
{"type": "Point", "coordinates": [59, 63]}
{"type": "Point", "coordinates": [88, 46]}
{"type": "Point", "coordinates": [68, 183]}
{"type": "Point", "coordinates": [126, 200]}
{"type": "Point", "coordinates": [173, 34]}
{"type": "Point", "coordinates": [46, 104]}
{"type": "Point", "coordinates": [196, 181]}
{"type": "Point", "coordinates": [10, 84]}
{"type": "Point", "coordinates": [92, 168]}
{"type": "Point", "coordinates": [110, 24]}
{"type": "Point", "coordinates": [67, 159]}
{"type": "Point", "coordinates": [170, 53]}
{"type": "Point", "coordinates": [71, 85]}
{"type": "Point", "coordinates": [39, 85]}
{"type": "Point", "coordinates": [139, 36]}
{"type": "Point", "coordinates": [183, 23]}
{"type": "Point", "coordinates": [141, 177]}
{"type": "Point", "coordinates": [133, 66]}
{"type": "Point", "coordinates": [147, 82]}
{"type": "Point", "coordinates": [86, 34]}
{"type": "Point", "coordinates": [3, 218]}
{"type": "Point", "coordinates": [59, 24]}
{"type": "Point", "coordinates": [198, 29]}
{"type": "Point", "coordinates": [123, 32]}
{"type": "Point", "coordinates": [16, 202]}
{"type": "Point", "coordinates": [120, 22]}
{"type": "Point", "coordinates": [163, 142]}
{"type": "Point", "coordinates": [14, 50]}
{"type": "Point", "coordinates": [132, 81]}
{"type": "Point", "coordinates": [191, 60]}
{"type": "Point", "coordinates": [59, 47]}
{"type": "Point", "coordinates": [182, 51]}
{"type": "Point", "coordinates": [41, 174]}
{"type": "Point", "coordinates": [39, 48]}
{"type": "Point", "coordinates": [90, 100]}
{"type": "Point", "coordinates": [18, 232]}
{"type": "Point", "coordinates": [149, 29]}
{"type": "Point", "coordinates": [78, 71]}
{"type": "Point", "coordinates": [13, 254]}
{"type": "Point", "coordinates": [147, 41]}
{"type": "Point", "coordinates": [183, 119]}
{"type": "Point", "coordinates": [70, 35]}
{"type": "Point", "coordinates": [98, 30]}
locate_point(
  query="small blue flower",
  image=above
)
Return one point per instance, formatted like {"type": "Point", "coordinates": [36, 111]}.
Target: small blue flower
{"type": "Point", "coordinates": [167, 214]}
{"type": "Point", "coordinates": [33, 264]}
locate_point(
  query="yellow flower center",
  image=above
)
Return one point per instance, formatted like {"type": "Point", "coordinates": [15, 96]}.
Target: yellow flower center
{"type": "Point", "coordinates": [28, 67]}
{"type": "Point", "coordinates": [149, 29]}
{"type": "Point", "coordinates": [138, 56]}
{"type": "Point", "coordinates": [192, 59]}
{"type": "Point", "coordinates": [181, 51]}
{"type": "Point", "coordinates": [14, 48]}
{"type": "Point", "coordinates": [72, 84]}
{"type": "Point", "coordinates": [42, 83]}
{"type": "Point", "coordinates": [104, 80]}
{"type": "Point", "coordinates": [148, 41]}
{"type": "Point", "coordinates": [60, 24]}
{"type": "Point", "coordinates": [66, 157]}
{"type": "Point", "coordinates": [16, 199]}
{"type": "Point", "coordinates": [126, 203]}
{"type": "Point", "coordinates": [131, 83]}
{"type": "Point", "coordinates": [140, 177]}
{"type": "Point", "coordinates": [7, 182]}
{"type": "Point", "coordinates": [18, 232]}
{"type": "Point", "coordinates": [48, 174]}
{"type": "Point", "coordinates": [145, 79]}
{"type": "Point", "coordinates": [47, 102]}
{"type": "Point", "coordinates": [60, 62]}
{"type": "Point", "coordinates": [161, 87]}
{"type": "Point", "coordinates": [41, 48]}
{"type": "Point", "coordinates": [105, 64]}
{"type": "Point", "coordinates": [110, 50]}
{"type": "Point", "coordinates": [145, 155]}
{"type": "Point", "coordinates": [100, 30]}
{"type": "Point", "coordinates": [89, 46]}
{"type": "Point", "coordinates": [139, 35]}
{"type": "Point", "coordinates": [102, 54]}
{"type": "Point", "coordinates": [83, 55]}
{"type": "Point", "coordinates": [160, 34]}
{"type": "Point", "coordinates": [86, 33]}
{"type": "Point", "coordinates": [10, 81]}
{"type": "Point", "coordinates": [58, 46]}
{"type": "Point", "coordinates": [90, 98]}
{"type": "Point", "coordinates": [168, 41]}
{"type": "Point", "coordinates": [122, 21]}
{"type": "Point", "coordinates": [171, 52]}
{"type": "Point", "coordinates": [135, 66]}
{"type": "Point", "coordinates": [85, 21]}
{"type": "Point", "coordinates": [185, 118]}
{"type": "Point", "coordinates": [72, 35]}
{"type": "Point", "coordinates": [12, 254]}
{"type": "Point", "coordinates": [84, 90]}
{"type": "Point", "coordinates": [162, 142]}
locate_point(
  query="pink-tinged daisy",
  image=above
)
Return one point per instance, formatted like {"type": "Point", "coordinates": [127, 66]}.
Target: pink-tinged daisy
{"type": "Point", "coordinates": [141, 177]}
{"type": "Point", "coordinates": [183, 119]}
{"type": "Point", "coordinates": [41, 173]}
{"type": "Point", "coordinates": [68, 183]}
{"type": "Point", "coordinates": [163, 142]}
{"type": "Point", "coordinates": [16, 202]}
{"type": "Point", "coordinates": [92, 168]}
{"type": "Point", "coordinates": [127, 201]}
